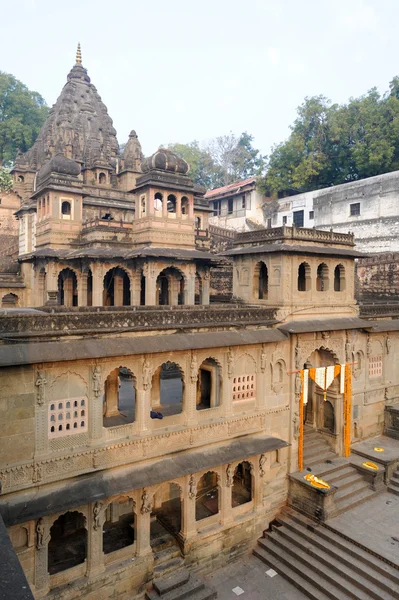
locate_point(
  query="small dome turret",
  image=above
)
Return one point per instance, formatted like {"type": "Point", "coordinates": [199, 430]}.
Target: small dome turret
{"type": "Point", "coordinates": [165, 160]}
{"type": "Point", "coordinates": [61, 165]}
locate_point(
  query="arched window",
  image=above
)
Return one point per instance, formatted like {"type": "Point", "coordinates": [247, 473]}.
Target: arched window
{"type": "Point", "coordinates": [119, 525]}
{"type": "Point", "coordinates": [102, 178]}
{"type": "Point", "coordinates": [170, 287]}
{"type": "Point", "coordinates": [242, 484]}
{"type": "Point", "coordinates": [208, 385]}
{"type": "Point", "coordinates": [198, 222]}
{"type": "Point", "coordinates": [116, 288]}
{"type": "Point", "coordinates": [67, 288]}
{"type": "Point", "coordinates": [119, 398]}
{"type": "Point", "coordinates": [20, 179]}
{"type": "Point", "coordinates": [171, 205]}
{"type": "Point", "coordinates": [262, 281]}
{"type": "Point", "coordinates": [158, 202]}
{"type": "Point", "coordinates": [304, 277]}
{"type": "Point", "coordinates": [9, 300]}
{"type": "Point", "coordinates": [68, 542]}
{"type": "Point", "coordinates": [184, 205]}
{"type": "Point", "coordinates": [339, 278]}
{"type": "Point", "coordinates": [207, 498]}
{"type": "Point", "coordinates": [66, 208]}
{"type": "Point", "coordinates": [167, 391]}
{"type": "Point", "coordinates": [322, 278]}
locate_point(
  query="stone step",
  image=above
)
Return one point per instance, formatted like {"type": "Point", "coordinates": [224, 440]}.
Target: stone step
{"type": "Point", "coordinates": [314, 441]}
{"type": "Point", "coordinates": [355, 589]}
{"type": "Point", "coordinates": [303, 578]}
{"type": "Point", "coordinates": [340, 476]}
{"type": "Point", "coordinates": [395, 475]}
{"type": "Point", "coordinates": [162, 556]}
{"type": "Point", "coordinates": [318, 460]}
{"type": "Point", "coordinates": [351, 501]}
{"type": "Point", "coordinates": [316, 449]}
{"type": "Point", "coordinates": [166, 568]}
{"type": "Point", "coordinates": [349, 568]}
{"type": "Point", "coordinates": [186, 590]}
{"type": "Point", "coordinates": [334, 539]}
{"type": "Point", "coordinates": [351, 490]}
{"type": "Point", "coordinates": [393, 490]}
{"type": "Point", "coordinates": [394, 482]}
{"type": "Point", "coordinates": [179, 578]}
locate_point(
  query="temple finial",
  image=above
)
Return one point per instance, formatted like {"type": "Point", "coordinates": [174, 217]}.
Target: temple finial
{"type": "Point", "coordinates": [78, 55]}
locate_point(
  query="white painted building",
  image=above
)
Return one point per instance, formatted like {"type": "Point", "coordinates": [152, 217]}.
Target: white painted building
{"type": "Point", "coordinates": [237, 206]}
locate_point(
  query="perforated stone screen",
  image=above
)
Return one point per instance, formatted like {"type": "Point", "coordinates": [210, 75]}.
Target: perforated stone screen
{"type": "Point", "coordinates": [244, 386]}
{"type": "Point", "coordinates": [67, 417]}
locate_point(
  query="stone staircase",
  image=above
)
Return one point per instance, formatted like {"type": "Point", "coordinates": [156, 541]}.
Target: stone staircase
{"type": "Point", "coordinates": [167, 554]}
{"type": "Point", "coordinates": [353, 489]}
{"type": "Point", "coordinates": [393, 485]}
{"type": "Point", "coordinates": [181, 585]}
{"type": "Point", "coordinates": [322, 564]}
{"type": "Point", "coordinates": [316, 449]}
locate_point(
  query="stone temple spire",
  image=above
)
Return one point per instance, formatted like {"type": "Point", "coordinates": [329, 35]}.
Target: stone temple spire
{"type": "Point", "coordinates": [78, 126]}
{"type": "Point", "coordinates": [78, 55]}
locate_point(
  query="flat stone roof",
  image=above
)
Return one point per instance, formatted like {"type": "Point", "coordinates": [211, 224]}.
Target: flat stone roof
{"type": "Point", "coordinates": [38, 502]}
{"type": "Point", "coordinates": [86, 348]}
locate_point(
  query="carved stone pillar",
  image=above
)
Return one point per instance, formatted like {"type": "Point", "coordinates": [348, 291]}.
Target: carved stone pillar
{"type": "Point", "coordinates": [96, 405]}
{"type": "Point", "coordinates": [98, 285]}
{"type": "Point", "coordinates": [191, 208]}
{"type": "Point", "coordinates": [143, 409]}
{"type": "Point", "coordinates": [188, 522]}
{"type": "Point", "coordinates": [225, 490]}
{"type": "Point", "coordinates": [150, 286]}
{"type": "Point", "coordinates": [111, 395]}
{"type": "Point", "coordinates": [42, 441]}
{"type": "Point", "coordinates": [206, 288]}
{"type": "Point", "coordinates": [191, 401]}
{"type": "Point", "coordinates": [143, 533]}
{"type": "Point", "coordinates": [82, 289]}
{"type": "Point", "coordinates": [118, 290]}
{"type": "Point", "coordinates": [95, 555]}
{"type": "Point", "coordinates": [135, 288]}
{"type": "Point", "coordinates": [190, 288]}
{"type": "Point", "coordinates": [42, 578]}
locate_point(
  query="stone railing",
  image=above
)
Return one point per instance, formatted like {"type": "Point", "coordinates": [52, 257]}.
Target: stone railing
{"type": "Point", "coordinates": [95, 223]}
{"type": "Point", "coordinates": [294, 233]}
{"type": "Point", "coordinates": [222, 232]}
{"type": "Point", "coordinates": [379, 309]}
{"type": "Point", "coordinates": [67, 321]}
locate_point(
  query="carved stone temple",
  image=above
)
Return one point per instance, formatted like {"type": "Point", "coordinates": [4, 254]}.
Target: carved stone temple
{"type": "Point", "coordinates": [147, 432]}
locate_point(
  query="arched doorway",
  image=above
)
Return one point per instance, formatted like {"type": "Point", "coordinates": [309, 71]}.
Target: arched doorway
{"type": "Point", "coordinates": [261, 281]}
{"type": "Point", "coordinates": [68, 288]}
{"type": "Point", "coordinates": [198, 289]}
{"type": "Point", "coordinates": [170, 287]}
{"type": "Point", "coordinates": [68, 542]}
{"type": "Point", "coordinates": [119, 400]}
{"type": "Point", "coordinates": [116, 288]}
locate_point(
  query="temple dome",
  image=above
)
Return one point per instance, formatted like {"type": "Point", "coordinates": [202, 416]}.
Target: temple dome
{"type": "Point", "coordinates": [61, 165]}
{"type": "Point", "coordinates": [165, 160]}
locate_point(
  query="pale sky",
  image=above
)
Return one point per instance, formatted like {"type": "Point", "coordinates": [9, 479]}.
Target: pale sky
{"type": "Point", "coordinates": [182, 70]}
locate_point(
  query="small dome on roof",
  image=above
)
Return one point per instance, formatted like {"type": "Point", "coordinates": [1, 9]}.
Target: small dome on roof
{"type": "Point", "coordinates": [59, 164]}
{"type": "Point", "coordinates": [165, 160]}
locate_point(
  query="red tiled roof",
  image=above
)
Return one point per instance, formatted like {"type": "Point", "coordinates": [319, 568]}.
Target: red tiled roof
{"type": "Point", "coordinates": [229, 188]}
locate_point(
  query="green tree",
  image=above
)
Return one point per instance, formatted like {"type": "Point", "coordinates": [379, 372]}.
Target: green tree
{"type": "Point", "coordinates": [22, 113]}
{"type": "Point", "coordinates": [332, 144]}
{"type": "Point", "coordinates": [236, 157]}
{"type": "Point", "coordinates": [5, 180]}
{"type": "Point", "coordinates": [203, 169]}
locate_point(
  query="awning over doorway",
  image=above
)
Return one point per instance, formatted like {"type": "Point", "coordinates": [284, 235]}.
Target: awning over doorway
{"type": "Point", "coordinates": [55, 498]}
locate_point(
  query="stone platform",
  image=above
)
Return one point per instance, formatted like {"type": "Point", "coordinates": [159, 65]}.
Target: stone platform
{"type": "Point", "coordinates": [388, 460]}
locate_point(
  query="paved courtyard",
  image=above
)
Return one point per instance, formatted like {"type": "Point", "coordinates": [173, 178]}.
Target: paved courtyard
{"type": "Point", "coordinates": [249, 574]}
{"type": "Point", "coordinates": [375, 524]}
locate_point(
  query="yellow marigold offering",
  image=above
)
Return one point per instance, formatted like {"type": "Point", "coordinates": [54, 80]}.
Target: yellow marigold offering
{"type": "Point", "coordinates": [377, 449]}
{"type": "Point", "coordinates": [370, 465]}
{"type": "Point", "coordinates": [316, 482]}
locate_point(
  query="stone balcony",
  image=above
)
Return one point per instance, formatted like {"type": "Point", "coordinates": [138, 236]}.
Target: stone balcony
{"type": "Point", "coordinates": [63, 321]}
{"type": "Point", "coordinates": [289, 235]}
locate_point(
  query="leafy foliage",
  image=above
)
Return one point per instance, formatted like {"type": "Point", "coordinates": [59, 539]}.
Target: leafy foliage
{"type": "Point", "coordinates": [22, 113]}
{"type": "Point", "coordinates": [332, 144]}
{"type": "Point", "coordinates": [5, 180]}
{"type": "Point", "coordinates": [223, 160]}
